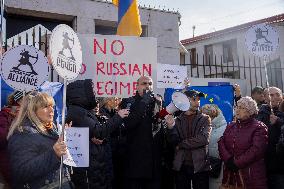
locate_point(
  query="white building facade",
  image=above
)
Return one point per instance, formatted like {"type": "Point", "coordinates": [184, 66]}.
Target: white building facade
{"type": "Point", "coordinates": [88, 17]}
{"type": "Point", "coordinates": [223, 54]}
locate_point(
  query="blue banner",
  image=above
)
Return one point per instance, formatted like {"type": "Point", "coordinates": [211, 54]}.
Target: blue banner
{"type": "Point", "coordinates": [223, 96]}
{"type": "Point", "coordinates": [54, 89]}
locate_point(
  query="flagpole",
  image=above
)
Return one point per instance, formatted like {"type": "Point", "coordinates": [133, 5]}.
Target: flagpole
{"type": "Point", "coordinates": [61, 172]}
{"type": "Point", "coordinates": [1, 32]}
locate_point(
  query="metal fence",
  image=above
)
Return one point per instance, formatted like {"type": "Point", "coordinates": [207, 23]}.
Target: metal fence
{"type": "Point", "coordinates": [200, 66]}
{"type": "Point", "coordinates": [241, 67]}
{"type": "Point", "coordinates": [38, 37]}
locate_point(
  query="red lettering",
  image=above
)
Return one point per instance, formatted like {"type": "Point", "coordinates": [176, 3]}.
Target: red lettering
{"type": "Point", "coordinates": [100, 67]}
{"type": "Point", "coordinates": [122, 86]}
{"type": "Point", "coordinates": [116, 68]}
{"type": "Point", "coordinates": [109, 68]}
{"type": "Point", "coordinates": [136, 69]}
{"type": "Point", "coordinates": [148, 69]}
{"type": "Point", "coordinates": [83, 69]}
{"type": "Point", "coordinates": [134, 87]}
{"type": "Point", "coordinates": [122, 66]}
{"type": "Point", "coordinates": [121, 47]}
{"type": "Point", "coordinates": [106, 88]}
{"type": "Point", "coordinates": [96, 43]}
{"type": "Point", "coordinates": [99, 87]}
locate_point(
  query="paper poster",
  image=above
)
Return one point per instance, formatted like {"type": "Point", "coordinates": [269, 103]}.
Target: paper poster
{"type": "Point", "coordinates": [114, 63]}
{"type": "Point", "coordinates": [77, 141]}
{"type": "Point", "coordinates": [171, 76]}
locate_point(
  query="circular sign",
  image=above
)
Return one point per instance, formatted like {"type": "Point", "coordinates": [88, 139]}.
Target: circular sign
{"type": "Point", "coordinates": [24, 68]}
{"type": "Point", "coordinates": [65, 52]}
{"type": "Point", "coordinates": [262, 40]}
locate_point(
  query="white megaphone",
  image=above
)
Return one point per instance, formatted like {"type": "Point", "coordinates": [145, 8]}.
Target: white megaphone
{"type": "Point", "coordinates": [179, 102]}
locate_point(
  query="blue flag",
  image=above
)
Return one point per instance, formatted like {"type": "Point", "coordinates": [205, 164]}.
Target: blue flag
{"type": "Point", "coordinates": [223, 96]}
{"type": "Point", "coordinates": [54, 89]}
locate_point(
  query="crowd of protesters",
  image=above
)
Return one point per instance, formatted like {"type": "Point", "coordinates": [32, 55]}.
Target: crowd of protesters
{"type": "Point", "coordinates": [133, 148]}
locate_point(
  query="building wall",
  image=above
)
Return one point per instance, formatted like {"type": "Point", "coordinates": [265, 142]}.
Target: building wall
{"type": "Point", "coordinates": [85, 13]}
{"type": "Point", "coordinates": [242, 57]}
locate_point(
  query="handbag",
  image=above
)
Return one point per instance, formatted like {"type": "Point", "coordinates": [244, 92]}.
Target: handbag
{"type": "Point", "coordinates": [227, 185]}
{"type": "Point", "coordinates": [216, 166]}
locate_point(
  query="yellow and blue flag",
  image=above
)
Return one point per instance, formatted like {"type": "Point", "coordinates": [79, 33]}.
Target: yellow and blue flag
{"type": "Point", "coordinates": [128, 18]}
{"type": "Point", "coordinates": [222, 96]}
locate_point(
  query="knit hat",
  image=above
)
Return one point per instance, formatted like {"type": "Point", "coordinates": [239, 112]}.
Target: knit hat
{"type": "Point", "coordinates": [18, 95]}
{"type": "Point", "coordinates": [249, 104]}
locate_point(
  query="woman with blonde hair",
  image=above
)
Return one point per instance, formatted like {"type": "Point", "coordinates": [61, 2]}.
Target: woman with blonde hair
{"type": "Point", "coordinates": [35, 146]}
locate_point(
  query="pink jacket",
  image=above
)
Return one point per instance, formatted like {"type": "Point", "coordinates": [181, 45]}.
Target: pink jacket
{"type": "Point", "coordinates": [246, 141]}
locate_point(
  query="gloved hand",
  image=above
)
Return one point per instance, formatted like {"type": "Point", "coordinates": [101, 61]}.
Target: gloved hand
{"type": "Point", "coordinates": [230, 164]}
{"type": "Point", "coordinates": [148, 97]}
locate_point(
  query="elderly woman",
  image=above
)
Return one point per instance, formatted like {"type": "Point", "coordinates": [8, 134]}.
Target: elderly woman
{"type": "Point", "coordinates": [218, 127]}
{"type": "Point", "coordinates": [34, 145]}
{"type": "Point", "coordinates": [242, 147]}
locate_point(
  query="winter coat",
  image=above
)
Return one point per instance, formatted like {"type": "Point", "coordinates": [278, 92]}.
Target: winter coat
{"type": "Point", "coordinates": [218, 127]}
{"type": "Point", "coordinates": [245, 141]}
{"type": "Point", "coordinates": [6, 119]}
{"type": "Point", "coordinates": [143, 148]}
{"type": "Point", "coordinates": [274, 157]}
{"type": "Point", "coordinates": [197, 144]}
{"type": "Point", "coordinates": [33, 161]}
{"type": "Point", "coordinates": [79, 111]}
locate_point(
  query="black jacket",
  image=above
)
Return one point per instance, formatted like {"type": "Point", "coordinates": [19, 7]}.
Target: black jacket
{"type": "Point", "coordinates": [33, 160]}
{"type": "Point", "coordinates": [143, 151]}
{"type": "Point", "coordinates": [99, 172]}
{"type": "Point", "coordinates": [274, 159]}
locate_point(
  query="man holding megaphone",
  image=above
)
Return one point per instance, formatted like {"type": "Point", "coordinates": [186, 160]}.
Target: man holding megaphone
{"type": "Point", "coordinates": [190, 133]}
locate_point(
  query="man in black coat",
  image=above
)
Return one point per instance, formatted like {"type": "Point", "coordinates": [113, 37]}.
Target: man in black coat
{"type": "Point", "coordinates": [274, 121]}
{"type": "Point", "coordinates": [144, 138]}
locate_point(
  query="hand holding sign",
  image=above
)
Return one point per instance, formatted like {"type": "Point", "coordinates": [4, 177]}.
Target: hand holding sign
{"type": "Point", "coordinates": [60, 147]}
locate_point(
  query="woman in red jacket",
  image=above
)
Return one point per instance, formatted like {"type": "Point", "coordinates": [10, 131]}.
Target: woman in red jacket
{"type": "Point", "coordinates": [242, 147]}
{"type": "Point", "coordinates": [7, 115]}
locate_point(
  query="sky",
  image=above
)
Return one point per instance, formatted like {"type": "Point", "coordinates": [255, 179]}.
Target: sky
{"type": "Point", "coordinates": [213, 15]}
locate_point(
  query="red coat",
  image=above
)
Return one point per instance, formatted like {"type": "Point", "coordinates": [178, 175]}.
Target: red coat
{"type": "Point", "coordinates": [246, 141]}
{"type": "Point", "coordinates": [6, 119]}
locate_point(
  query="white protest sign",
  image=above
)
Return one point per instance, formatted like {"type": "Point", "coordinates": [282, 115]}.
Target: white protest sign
{"type": "Point", "coordinates": [65, 52]}
{"type": "Point", "coordinates": [24, 68]}
{"type": "Point", "coordinates": [77, 141]}
{"type": "Point", "coordinates": [114, 63]}
{"type": "Point", "coordinates": [171, 76]}
{"type": "Point", "coordinates": [262, 40]}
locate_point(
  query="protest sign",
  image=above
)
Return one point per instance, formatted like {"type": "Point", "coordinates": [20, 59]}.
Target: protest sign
{"type": "Point", "coordinates": [65, 52]}
{"type": "Point", "coordinates": [24, 68]}
{"type": "Point", "coordinates": [171, 76]}
{"type": "Point", "coordinates": [262, 40]}
{"type": "Point", "coordinates": [77, 141]}
{"type": "Point", "coordinates": [114, 63]}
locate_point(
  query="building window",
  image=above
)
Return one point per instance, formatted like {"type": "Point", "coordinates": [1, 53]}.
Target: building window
{"type": "Point", "coordinates": [229, 50]}
{"type": "Point", "coordinates": [208, 54]}
{"type": "Point", "coordinates": [182, 59]}
{"type": "Point", "coordinates": [193, 57]}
